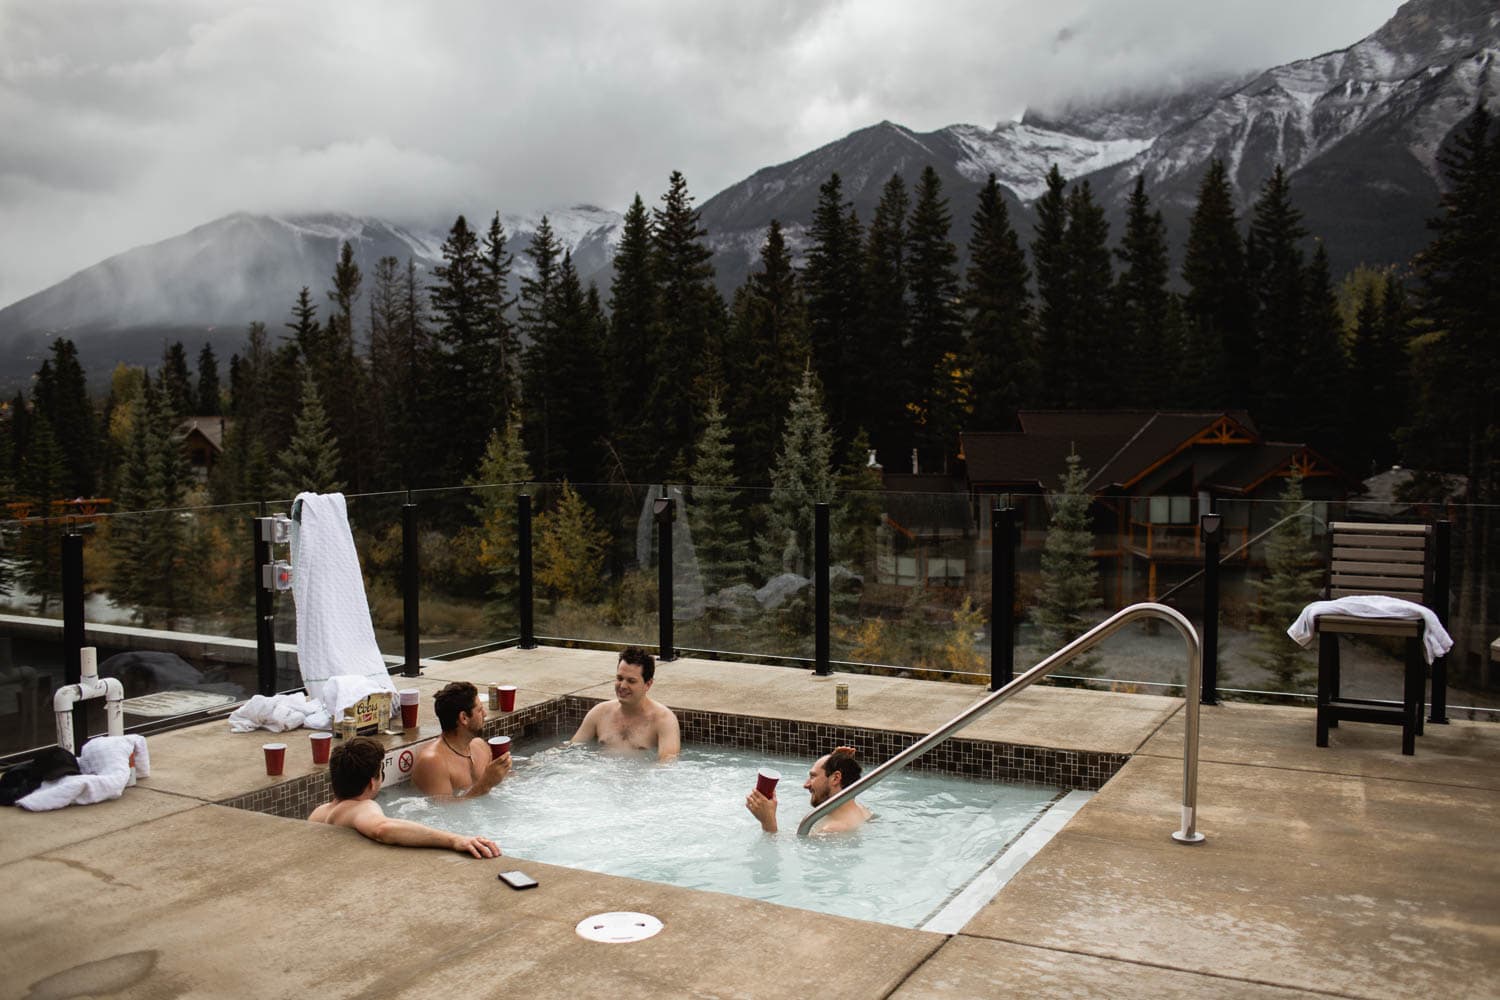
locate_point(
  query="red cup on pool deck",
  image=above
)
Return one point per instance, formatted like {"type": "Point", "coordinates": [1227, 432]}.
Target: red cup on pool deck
{"type": "Point", "coordinates": [765, 781]}
{"type": "Point", "coordinates": [507, 698]}
{"type": "Point", "coordinates": [275, 757]}
{"type": "Point", "coordinates": [409, 705]}
{"type": "Point", "coordinates": [499, 746]}
{"type": "Point", "coordinates": [321, 743]}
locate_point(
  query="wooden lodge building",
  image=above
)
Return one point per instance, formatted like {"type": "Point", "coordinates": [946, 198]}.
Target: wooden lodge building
{"type": "Point", "coordinates": [1151, 473]}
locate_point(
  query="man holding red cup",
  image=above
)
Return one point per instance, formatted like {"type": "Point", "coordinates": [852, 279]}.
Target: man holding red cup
{"type": "Point", "coordinates": [458, 764]}
{"type": "Point", "coordinates": [829, 775]}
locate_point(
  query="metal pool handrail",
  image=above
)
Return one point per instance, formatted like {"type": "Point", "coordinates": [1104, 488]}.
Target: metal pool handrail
{"type": "Point", "coordinates": [1089, 639]}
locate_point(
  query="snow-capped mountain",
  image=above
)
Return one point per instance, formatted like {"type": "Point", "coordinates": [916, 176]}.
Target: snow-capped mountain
{"type": "Point", "coordinates": [1358, 129]}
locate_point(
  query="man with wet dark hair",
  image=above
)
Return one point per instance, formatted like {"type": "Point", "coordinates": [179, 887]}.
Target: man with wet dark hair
{"type": "Point", "coordinates": [354, 771]}
{"type": "Point", "coordinates": [829, 775]}
{"type": "Point", "coordinates": [634, 721]}
{"type": "Point", "coordinates": [457, 764]}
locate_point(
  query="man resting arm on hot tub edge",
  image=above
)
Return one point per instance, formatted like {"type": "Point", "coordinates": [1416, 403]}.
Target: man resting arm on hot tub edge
{"type": "Point", "coordinates": [354, 772]}
{"type": "Point", "coordinates": [829, 775]}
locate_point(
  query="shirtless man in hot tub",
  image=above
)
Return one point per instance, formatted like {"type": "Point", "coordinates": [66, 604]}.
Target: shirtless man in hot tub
{"type": "Point", "coordinates": [634, 721]}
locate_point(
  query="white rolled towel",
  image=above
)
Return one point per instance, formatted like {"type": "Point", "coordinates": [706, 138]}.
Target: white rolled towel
{"type": "Point", "coordinates": [105, 763]}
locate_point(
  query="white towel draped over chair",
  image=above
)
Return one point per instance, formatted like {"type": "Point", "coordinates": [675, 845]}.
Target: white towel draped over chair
{"type": "Point", "coordinates": [336, 647]}
{"type": "Point", "coordinates": [1435, 639]}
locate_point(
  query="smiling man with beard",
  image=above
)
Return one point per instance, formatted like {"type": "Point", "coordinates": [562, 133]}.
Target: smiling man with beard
{"type": "Point", "coordinates": [634, 721]}
{"type": "Point", "coordinates": [829, 775]}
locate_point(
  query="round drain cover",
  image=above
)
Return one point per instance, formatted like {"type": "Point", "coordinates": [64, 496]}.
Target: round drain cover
{"type": "Point", "coordinates": [619, 927]}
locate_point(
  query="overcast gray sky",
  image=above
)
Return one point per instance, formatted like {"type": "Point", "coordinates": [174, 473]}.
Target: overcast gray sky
{"type": "Point", "coordinates": [123, 122]}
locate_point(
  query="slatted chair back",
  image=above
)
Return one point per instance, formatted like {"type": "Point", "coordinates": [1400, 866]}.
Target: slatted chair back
{"type": "Point", "coordinates": [1393, 560]}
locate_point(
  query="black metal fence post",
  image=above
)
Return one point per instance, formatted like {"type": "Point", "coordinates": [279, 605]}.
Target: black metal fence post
{"type": "Point", "coordinates": [1442, 570]}
{"type": "Point", "coordinates": [265, 606]}
{"type": "Point", "coordinates": [1002, 596]}
{"type": "Point", "coordinates": [411, 616]}
{"type": "Point", "coordinates": [821, 603]}
{"type": "Point", "coordinates": [1211, 528]}
{"type": "Point", "coordinates": [72, 600]}
{"type": "Point", "coordinates": [665, 510]}
{"type": "Point", "coordinates": [523, 567]}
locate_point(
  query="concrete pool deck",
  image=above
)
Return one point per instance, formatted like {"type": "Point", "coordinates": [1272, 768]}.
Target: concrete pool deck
{"type": "Point", "coordinates": [1349, 871]}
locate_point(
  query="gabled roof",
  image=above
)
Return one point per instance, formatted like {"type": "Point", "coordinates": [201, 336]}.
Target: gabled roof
{"type": "Point", "coordinates": [212, 429]}
{"type": "Point", "coordinates": [1119, 445]}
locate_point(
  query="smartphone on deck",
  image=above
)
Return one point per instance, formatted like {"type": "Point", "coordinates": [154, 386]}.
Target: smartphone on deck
{"type": "Point", "coordinates": [518, 880]}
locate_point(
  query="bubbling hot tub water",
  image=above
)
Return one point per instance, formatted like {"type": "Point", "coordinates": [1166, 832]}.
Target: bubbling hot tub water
{"type": "Point", "coordinates": [686, 824]}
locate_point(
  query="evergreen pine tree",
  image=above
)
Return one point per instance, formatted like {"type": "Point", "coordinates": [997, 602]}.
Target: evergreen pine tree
{"type": "Point", "coordinates": [151, 558]}
{"type": "Point", "coordinates": [999, 315]}
{"type": "Point", "coordinates": [803, 476]}
{"type": "Point", "coordinates": [461, 397]}
{"type": "Point", "coordinates": [342, 377]}
{"type": "Point", "coordinates": [310, 462]}
{"type": "Point", "coordinates": [1098, 351]}
{"type": "Point", "coordinates": [539, 382]}
{"type": "Point", "coordinates": [500, 336]}
{"type": "Point", "coordinates": [501, 475]}
{"type": "Point", "coordinates": [935, 353]}
{"type": "Point", "coordinates": [570, 549]}
{"type": "Point", "coordinates": [881, 381]}
{"type": "Point", "coordinates": [62, 401]}
{"type": "Point", "coordinates": [209, 403]}
{"type": "Point", "coordinates": [718, 530]}
{"type": "Point", "coordinates": [44, 477]}
{"type": "Point", "coordinates": [177, 387]}
{"type": "Point", "coordinates": [1054, 316]}
{"type": "Point", "coordinates": [577, 391]}
{"type": "Point", "coordinates": [1219, 352]}
{"type": "Point", "coordinates": [1293, 579]}
{"type": "Point", "coordinates": [1070, 577]}
{"type": "Point", "coordinates": [770, 327]}
{"type": "Point", "coordinates": [1142, 308]}
{"type": "Point", "coordinates": [831, 282]}
{"type": "Point", "coordinates": [690, 317]}
{"type": "Point", "coordinates": [1275, 264]}
{"type": "Point", "coordinates": [1321, 371]}
{"type": "Point", "coordinates": [633, 300]}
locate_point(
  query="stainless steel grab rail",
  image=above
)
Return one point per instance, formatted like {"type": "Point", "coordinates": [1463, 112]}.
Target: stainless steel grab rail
{"type": "Point", "coordinates": [1187, 835]}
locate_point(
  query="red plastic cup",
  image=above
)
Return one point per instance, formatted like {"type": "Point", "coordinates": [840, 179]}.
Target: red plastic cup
{"type": "Point", "coordinates": [507, 698]}
{"type": "Point", "coordinates": [321, 743]}
{"type": "Point", "coordinates": [275, 757]}
{"type": "Point", "coordinates": [765, 781]}
{"type": "Point", "coordinates": [409, 705]}
{"type": "Point", "coordinates": [499, 746]}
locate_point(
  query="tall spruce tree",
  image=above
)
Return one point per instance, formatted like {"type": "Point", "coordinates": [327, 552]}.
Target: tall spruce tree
{"type": "Point", "coordinates": [1455, 422]}
{"type": "Point", "coordinates": [881, 381]}
{"type": "Point", "coordinates": [502, 344]}
{"type": "Point", "coordinates": [935, 352]}
{"type": "Point", "coordinates": [1218, 352]}
{"type": "Point", "coordinates": [539, 382]}
{"type": "Point", "coordinates": [1099, 352]}
{"type": "Point", "coordinates": [718, 529]}
{"type": "Point", "coordinates": [208, 395]}
{"type": "Point", "coordinates": [149, 555]}
{"type": "Point", "coordinates": [803, 476]}
{"type": "Point", "coordinates": [1322, 367]}
{"type": "Point", "coordinates": [1070, 576]}
{"type": "Point", "coordinates": [633, 301]}
{"type": "Point", "coordinates": [63, 403]}
{"type": "Point", "coordinates": [1143, 308]}
{"type": "Point", "coordinates": [177, 387]}
{"type": "Point", "coordinates": [342, 377]}
{"type": "Point", "coordinates": [835, 300]}
{"type": "Point", "coordinates": [689, 318]}
{"type": "Point", "coordinates": [462, 396]}
{"type": "Point", "coordinates": [310, 462]}
{"type": "Point", "coordinates": [1275, 265]}
{"type": "Point", "coordinates": [580, 407]}
{"type": "Point", "coordinates": [998, 304]}
{"type": "Point", "coordinates": [1054, 316]}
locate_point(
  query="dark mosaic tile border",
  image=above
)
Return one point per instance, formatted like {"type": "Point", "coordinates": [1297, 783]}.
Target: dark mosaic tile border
{"type": "Point", "coordinates": [1070, 769]}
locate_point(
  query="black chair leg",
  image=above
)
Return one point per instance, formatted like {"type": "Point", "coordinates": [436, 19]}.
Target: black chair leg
{"type": "Point", "coordinates": [1328, 658]}
{"type": "Point", "coordinates": [1411, 707]}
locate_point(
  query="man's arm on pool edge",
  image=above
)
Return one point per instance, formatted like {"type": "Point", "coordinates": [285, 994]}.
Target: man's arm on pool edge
{"type": "Point", "coordinates": [375, 824]}
{"type": "Point", "coordinates": [668, 738]}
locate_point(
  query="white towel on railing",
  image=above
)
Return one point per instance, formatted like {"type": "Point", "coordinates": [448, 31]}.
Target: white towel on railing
{"type": "Point", "coordinates": [334, 634]}
{"type": "Point", "coordinates": [1435, 638]}
{"type": "Point", "coordinates": [108, 765]}
{"type": "Point", "coordinates": [279, 713]}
